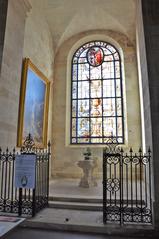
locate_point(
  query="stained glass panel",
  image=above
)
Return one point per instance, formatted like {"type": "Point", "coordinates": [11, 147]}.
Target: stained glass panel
{"type": "Point", "coordinates": [74, 127]}
{"type": "Point", "coordinates": [111, 48]}
{"type": "Point", "coordinates": [83, 108]}
{"type": "Point", "coordinates": [74, 140]}
{"type": "Point", "coordinates": [83, 140]}
{"type": "Point", "coordinates": [83, 89]}
{"type": "Point", "coordinates": [95, 56]}
{"type": "Point", "coordinates": [109, 126]}
{"type": "Point", "coordinates": [97, 108]}
{"type": "Point", "coordinates": [83, 54]}
{"type": "Point", "coordinates": [119, 109]}
{"type": "Point", "coordinates": [108, 88]}
{"type": "Point", "coordinates": [117, 69]}
{"type": "Point", "coordinates": [120, 140]}
{"type": "Point", "coordinates": [109, 107]}
{"type": "Point", "coordinates": [75, 59]}
{"type": "Point", "coordinates": [118, 88]}
{"type": "Point", "coordinates": [74, 111]}
{"type": "Point", "coordinates": [119, 126]}
{"type": "Point", "coordinates": [74, 72]}
{"type": "Point", "coordinates": [95, 72]}
{"type": "Point", "coordinates": [96, 127]}
{"type": "Point", "coordinates": [83, 72]}
{"type": "Point", "coordinates": [108, 70]}
{"type": "Point", "coordinates": [82, 60]}
{"type": "Point", "coordinates": [96, 140]}
{"type": "Point", "coordinates": [106, 52]}
{"type": "Point", "coordinates": [96, 90]}
{"type": "Point", "coordinates": [116, 56]}
{"type": "Point", "coordinates": [74, 90]}
{"type": "Point", "coordinates": [83, 127]}
{"type": "Point", "coordinates": [108, 57]}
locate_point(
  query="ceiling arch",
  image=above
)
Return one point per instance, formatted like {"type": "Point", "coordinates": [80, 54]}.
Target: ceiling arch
{"type": "Point", "coordinates": [69, 17]}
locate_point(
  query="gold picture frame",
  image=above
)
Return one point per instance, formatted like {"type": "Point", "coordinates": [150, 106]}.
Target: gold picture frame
{"type": "Point", "coordinates": [33, 105]}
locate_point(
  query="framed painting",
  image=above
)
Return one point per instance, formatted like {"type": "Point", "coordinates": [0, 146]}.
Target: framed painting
{"type": "Point", "coordinates": [33, 106]}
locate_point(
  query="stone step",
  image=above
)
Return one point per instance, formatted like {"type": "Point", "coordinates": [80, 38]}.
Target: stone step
{"type": "Point", "coordinates": [76, 205]}
{"type": "Point", "coordinates": [82, 221]}
{"type": "Point", "coordinates": [75, 199]}
{"type": "Point", "coordinates": [89, 201]}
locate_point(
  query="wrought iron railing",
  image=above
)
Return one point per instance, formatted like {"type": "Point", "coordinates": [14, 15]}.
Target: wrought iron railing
{"type": "Point", "coordinates": [24, 201]}
{"type": "Point", "coordinates": [126, 185]}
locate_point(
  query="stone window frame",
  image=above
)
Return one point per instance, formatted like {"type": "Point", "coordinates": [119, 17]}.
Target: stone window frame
{"type": "Point", "coordinates": [73, 48]}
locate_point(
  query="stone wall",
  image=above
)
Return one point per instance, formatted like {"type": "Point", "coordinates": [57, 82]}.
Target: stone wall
{"type": "Point", "coordinates": [11, 71]}
{"type": "Point", "coordinates": [38, 47]}
{"type": "Point", "coordinates": [65, 157]}
{"type": "Point", "coordinates": [25, 36]}
{"type": "Point", "coordinates": [38, 42]}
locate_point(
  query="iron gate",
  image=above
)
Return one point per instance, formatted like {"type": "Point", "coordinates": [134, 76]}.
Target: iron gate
{"type": "Point", "coordinates": [126, 185]}
{"type": "Point", "coordinates": [23, 201]}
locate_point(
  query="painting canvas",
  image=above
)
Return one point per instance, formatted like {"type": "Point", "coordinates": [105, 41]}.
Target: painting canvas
{"type": "Point", "coordinates": [33, 110]}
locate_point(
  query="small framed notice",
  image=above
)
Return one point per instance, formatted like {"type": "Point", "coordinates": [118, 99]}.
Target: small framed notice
{"type": "Point", "coordinates": [25, 171]}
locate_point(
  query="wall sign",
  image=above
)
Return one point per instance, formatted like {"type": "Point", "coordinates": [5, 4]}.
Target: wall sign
{"type": "Point", "coordinates": [25, 171]}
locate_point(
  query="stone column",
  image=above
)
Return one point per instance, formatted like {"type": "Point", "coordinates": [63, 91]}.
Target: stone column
{"type": "Point", "coordinates": [143, 80]}
{"type": "Point", "coordinates": [3, 16]}
{"type": "Point", "coordinates": [150, 11]}
{"type": "Point", "coordinates": [11, 65]}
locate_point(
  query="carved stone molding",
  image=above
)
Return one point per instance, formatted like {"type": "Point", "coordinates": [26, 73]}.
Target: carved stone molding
{"type": "Point", "coordinates": [27, 6]}
{"type": "Point", "coordinates": [22, 6]}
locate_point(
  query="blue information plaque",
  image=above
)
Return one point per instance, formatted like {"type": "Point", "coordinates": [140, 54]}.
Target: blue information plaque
{"type": "Point", "coordinates": [25, 171]}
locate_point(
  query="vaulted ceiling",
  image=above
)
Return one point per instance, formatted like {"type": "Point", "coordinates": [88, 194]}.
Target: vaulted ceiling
{"type": "Point", "coordinates": [68, 17]}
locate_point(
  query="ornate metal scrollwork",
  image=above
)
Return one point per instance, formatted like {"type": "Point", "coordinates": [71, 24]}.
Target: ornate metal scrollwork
{"type": "Point", "coordinates": [126, 185]}
{"type": "Point", "coordinates": [113, 184]}
{"type": "Point", "coordinates": [28, 145]}
{"type": "Point", "coordinates": [112, 146]}
{"type": "Point", "coordinates": [21, 200]}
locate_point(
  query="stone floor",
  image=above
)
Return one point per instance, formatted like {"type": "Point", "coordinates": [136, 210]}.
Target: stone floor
{"type": "Point", "coordinates": [83, 221]}
{"type": "Point", "coordinates": [25, 233]}
{"type": "Point", "coordinates": [66, 217]}
{"type": "Point", "coordinates": [70, 188]}
{"type": "Point", "coordinates": [56, 223]}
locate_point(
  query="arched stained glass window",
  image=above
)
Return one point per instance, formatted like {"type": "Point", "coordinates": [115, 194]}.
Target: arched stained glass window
{"type": "Point", "coordinates": [96, 94]}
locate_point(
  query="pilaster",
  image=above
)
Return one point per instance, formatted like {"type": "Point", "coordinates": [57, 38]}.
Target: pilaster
{"type": "Point", "coordinates": [150, 10]}
{"type": "Point", "coordinates": [3, 17]}
{"type": "Point", "coordinates": [11, 66]}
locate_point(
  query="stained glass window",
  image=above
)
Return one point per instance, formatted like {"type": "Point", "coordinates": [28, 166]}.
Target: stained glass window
{"type": "Point", "coordinates": [97, 97]}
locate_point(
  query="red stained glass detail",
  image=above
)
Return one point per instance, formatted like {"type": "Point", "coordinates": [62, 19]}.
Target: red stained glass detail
{"type": "Point", "coordinates": [95, 56]}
